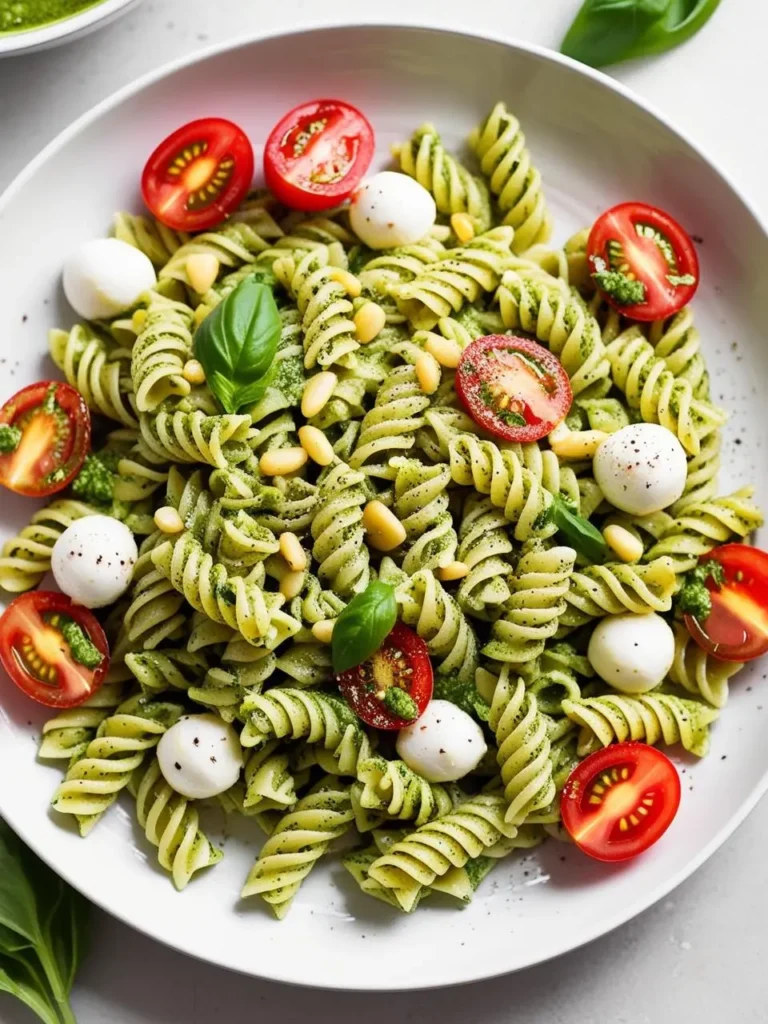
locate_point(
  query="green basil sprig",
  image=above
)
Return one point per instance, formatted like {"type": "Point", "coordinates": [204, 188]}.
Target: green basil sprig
{"type": "Point", "coordinates": [585, 538]}
{"type": "Point", "coordinates": [43, 932]}
{"type": "Point", "coordinates": [363, 626]}
{"type": "Point", "coordinates": [236, 343]}
{"type": "Point", "coordinates": [608, 31]}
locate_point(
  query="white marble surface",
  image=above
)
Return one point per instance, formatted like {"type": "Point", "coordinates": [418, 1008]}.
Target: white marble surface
{"type": "Point", "coordinates": [701, 953]}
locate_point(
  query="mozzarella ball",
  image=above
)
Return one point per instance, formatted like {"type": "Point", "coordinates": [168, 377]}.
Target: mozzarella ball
{"type": "Point", "coordinates": [391, 209]}
{"type": "Point", "coordinates": [93, 560]}
{"type": "Point", "coordinates": [633, 653]}
{"type": "Point", "coordinates": [200, 756]}
{"type": "Point", "coordinates": [105, 277]}
{"type": "Point", "coordinates": [641, 468]}
{"type": "Point", "coordinates": [444, 744]}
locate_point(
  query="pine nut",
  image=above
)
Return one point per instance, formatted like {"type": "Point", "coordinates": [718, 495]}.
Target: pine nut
{"type": "Point", "coordinates": [369, 322]}
{"type": "Point", "coordinates": [428, 372]}
{"type": "Point", "coordinates": [138, 320]}
{"type": "Point", "coordinates": [291, 584]}
{"type": "Point", "coordinates": [385, 531]}
{"type": "Point", "coordinates": [282, 461]}
{"type": "Point", "coordinates": [193, 372]}
{"type": "Point", "coordinates": [453, 571]}
{"type": "Point", "coordinates": [446, 351]}
{"type": "Point", "coordinates": [293, 552]}
{"type": "Point", "coordinates": [168, 520]}
{"type": "Point", "coordinates": [323, 630]}
{"type": "Point", "coordinates": [316, 445]}
{"type": "Point", "coordinates": [202, 270]}
{"type": "Point", "coordinates": [579, 444]}
{"type": "Point", "coordinates": [348, 281]}
{"type": "Point", "coordinates": [463, 226]}
{"type": "Point", "coordinates": [317, 392]}
{"type": "Point", "coordinates": [625, 545]}
{"type": "Point", "coordinates": [201, 312]}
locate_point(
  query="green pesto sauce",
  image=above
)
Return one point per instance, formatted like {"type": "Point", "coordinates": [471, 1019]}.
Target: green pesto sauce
{"type": "Point", "coordinates": [401, 704]}
{"type": "Point", "coordinates": [9, 438]}
{"type": "Point", "coordinates": [23, 15]}
{"type": "Point", "coordinates": [96, 480]}
{"type": "Point", "coordinates": [694, 596]}
{"type": "Point", "coordinates": [80, 646]}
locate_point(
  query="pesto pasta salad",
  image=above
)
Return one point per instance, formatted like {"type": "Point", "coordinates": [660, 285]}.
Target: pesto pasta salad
{"type": "Point", "coordinates": [375, 516]}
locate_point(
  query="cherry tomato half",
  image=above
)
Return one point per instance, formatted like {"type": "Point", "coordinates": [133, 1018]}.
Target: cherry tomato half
{"type": "Point", "coordinates": [737, 627]}
{"type": "Point", "coordinates": [36, 654]}
{"type": "Point", "coordinates": [199, 174]}
{"type": "Point", "coordinates": [317, 154]}
{"type": "Point", "coordinates": [620, 800]}
{"type": "Point", "coordinates": [513, 387]}
{"type": "Point", "coordinates": [55, 436]}
{"type": "Point", "coordinates": [401, 661]}
{"type": "Point", "coordinates": [650, 261]}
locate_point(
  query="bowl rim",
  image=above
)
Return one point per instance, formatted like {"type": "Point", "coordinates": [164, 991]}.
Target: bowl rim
{"type": "Point", "coordinates": [56, 31]}
{"type": "Point", "coordinates": [646, 899]}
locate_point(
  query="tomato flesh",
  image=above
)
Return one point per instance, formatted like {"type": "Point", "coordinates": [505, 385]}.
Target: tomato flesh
{"type": "Point", "coordinates": [513, 387]}
{"type": "Point", "coordinates": [646, 246]}
{"type": "Point", "coordinates": [317, 154]}
{"type": "Point", "coordinates": [198, 175]}
{"type": "Point", "coordinates": [37, 657]}
{"type": "Point", "coordinates": [55, 427]}
{"type": "Point", "coordinates": [619, 801]}
{"type": "Point", "coordinates": [401, 661]}
{"type": "Point", "coordinates": [737, 627]}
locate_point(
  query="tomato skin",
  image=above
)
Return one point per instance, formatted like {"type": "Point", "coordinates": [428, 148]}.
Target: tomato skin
{"type": "Point", "coordinates": [317, 154]}
{"type": "Point", "coordinates": [24, 620]}
{"type": "Point", "coordinates": [737, 627]}
{"type": "Point", "coordinates": [651, 782]}
{"type": "Point", "coordinates": [644, 257]}
{"type": "Point", "coordinates": [208, 153]}
{"type": "Point", "coordinates": [359, 688]}
{"type": "Point", "coordinates": [53, 445]}
{"type": "Point", "coordinates": [541, 398]}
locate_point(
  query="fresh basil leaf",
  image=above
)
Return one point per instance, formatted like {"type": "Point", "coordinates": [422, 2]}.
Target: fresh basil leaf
{"type": "Point", "coordinates": [585, 538]}
{"type": "Point", "coordinates": [20, 977]}
{"type": "Point", "coordinates": [236, 344]}
{"type": "Point", "coordinates": [18, 906]}
{"type": "Point", "coordinates": [363, 626]}
{"type": "Point", "coordinates": [607, 31]}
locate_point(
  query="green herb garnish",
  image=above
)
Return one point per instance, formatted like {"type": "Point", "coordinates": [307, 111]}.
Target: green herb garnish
{"type": "Point", "coordinates": [627, 291]}
{"type": "Point", "coordinates": [236, 344]}
{"type": "Point", "coordinates": [585, 538]}
{"type": "Point", "coordinates": [401, 704]}
{"type": "Point", "coordinates": [82, 649]}
{"type": "Point", "coordinates": [10, 438]}
{"type": "Point", "coordinates": [694, 596]}
{"type": "Point", "coordinates": [607, 31]}
{"type": "Point", "coordinates": [363, 626]}
{"type": "Point", "coordinates": [96, 480]}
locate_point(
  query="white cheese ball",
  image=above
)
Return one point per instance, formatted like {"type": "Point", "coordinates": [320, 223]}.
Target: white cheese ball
{"type": "Point", "coordinates": [200, 756]}
{"type": "Point", "coordinates": [444, 745]}
{"type": "Point", "coordinates": [641, 468]}
{"type": "Point", "coordinates": [105, 277]}
{"type": "Point", "coordinates": [633, 653]}
{"type": "Point", "coordinates": [93, 560]}
{"type": "Point", "coordinates": [391, 209]}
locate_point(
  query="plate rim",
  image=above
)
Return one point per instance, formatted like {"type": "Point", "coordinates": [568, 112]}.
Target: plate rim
{"type": "Point", "coordinates": [648, 899]}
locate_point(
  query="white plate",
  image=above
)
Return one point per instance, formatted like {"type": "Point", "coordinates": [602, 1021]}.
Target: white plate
{"type": "Point", "coordinates": [596, 145]}
{"type": "Point", "coordinates": [63, 30]}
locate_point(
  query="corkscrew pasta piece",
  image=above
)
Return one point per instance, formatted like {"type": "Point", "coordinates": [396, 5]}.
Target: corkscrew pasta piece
{"type": "Point", "coordinates": [101, 372]}
{"type": "Point", "coordinates": [484, 545]}
{"type": "Point", "coordinates": [26, 558]}
{"type": "Point", "coordinates": [159, 353]}
{"type": "Point", "coordinates": [338, 534]}
{"type": "Point", "coordinates": [698, 672]}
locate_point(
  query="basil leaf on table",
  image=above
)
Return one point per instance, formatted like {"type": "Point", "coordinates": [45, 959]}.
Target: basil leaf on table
{"type": "Point", "coordinates": [607, 31]}
{"type": "Point", "coordinates": [585, 538]}
{"type": "Point", "coordinates": [43, 932]}
{"type": "Point", "coordinates": [363, 626]}
{"type": "Point", "coordinates": [236, 344]}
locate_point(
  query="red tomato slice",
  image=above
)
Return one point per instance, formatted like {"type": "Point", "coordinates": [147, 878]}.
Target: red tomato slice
{"type": "Point", "coordinates": [512, 387]}
{"type": "Point", "coordinates": [317, 154]}
{"type": "Point", "coordinates": [737, 627]}
{"type": "Point", "coordinates": [402, 661]}
{"type": "Point", "coordinates": [620, 800]}
{"type": "Point", "coordinates": [199, 174]}
{"type": "Point", "coordinates": [38, 658]}
{"type": "Point", "coordinates": [648, 246]}
{"type": "Point", "coordinates": [55, 430]}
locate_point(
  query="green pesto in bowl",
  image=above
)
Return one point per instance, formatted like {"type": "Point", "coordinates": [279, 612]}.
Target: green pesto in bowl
{"type": "Point", "coordinates": [25, 15]}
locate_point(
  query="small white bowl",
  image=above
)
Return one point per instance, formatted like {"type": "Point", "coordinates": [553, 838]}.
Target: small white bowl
{"type": "Point", "coordinates": [64, 30]}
